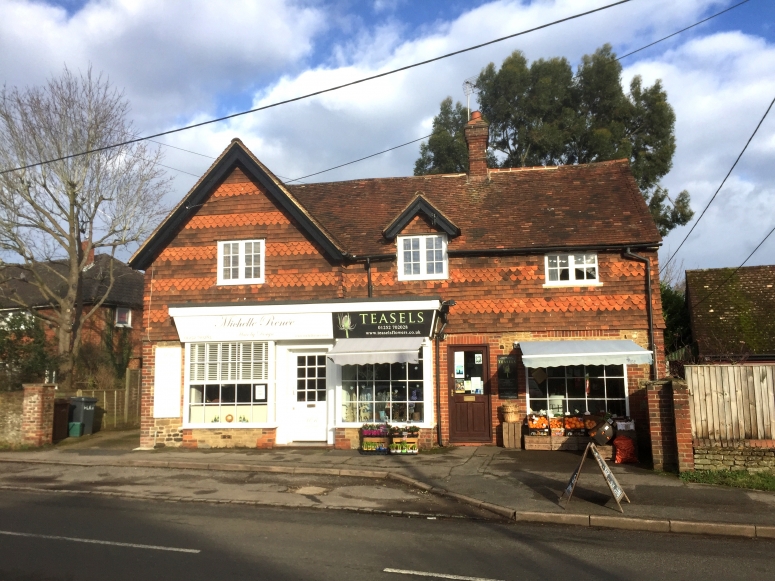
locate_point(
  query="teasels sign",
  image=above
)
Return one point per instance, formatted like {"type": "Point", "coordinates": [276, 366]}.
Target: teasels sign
{"type": "Point", "coordinates": [360, 324]}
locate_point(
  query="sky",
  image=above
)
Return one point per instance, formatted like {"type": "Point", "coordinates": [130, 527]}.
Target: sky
{"type": "Point", "coordinates": [184, 62]}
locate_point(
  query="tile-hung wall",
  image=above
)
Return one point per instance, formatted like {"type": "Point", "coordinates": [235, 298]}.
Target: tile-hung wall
{"type": "Point", "coordinates": [498, 299]}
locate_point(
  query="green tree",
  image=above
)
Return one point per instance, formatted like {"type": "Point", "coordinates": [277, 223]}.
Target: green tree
{"type": "Point", "coordinates": [675, 311]}
{"type": "Point", "coordinates": [543, 113]}
{"type": "Point", "coordinates": [25, 355]}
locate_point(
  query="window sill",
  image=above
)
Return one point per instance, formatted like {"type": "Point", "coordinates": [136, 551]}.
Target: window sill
{"type": "Point", "coordinates": [234, 425]}
{"type": "Point", "coordinates": [246, 282]}
{"type": "Point", "coordinates": [413, 278]}
{"type": "Point", "coordinates": [571, 284]}
{"type": "Point", "coordinates": [358, 425]}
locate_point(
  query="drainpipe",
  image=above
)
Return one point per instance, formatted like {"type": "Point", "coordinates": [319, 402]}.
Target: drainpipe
{"type": "Point", "coordinates": [649, 307]}
{"type": "Point", "coordinates": [439, 336]}
{"type": "Point", "coordinates": [368, 274]}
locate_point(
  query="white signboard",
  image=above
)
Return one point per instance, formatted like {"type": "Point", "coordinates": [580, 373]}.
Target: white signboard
{"type": "Point", "coordinates": [264, 327]}
{"type": "Point", "coordinates": [167, 382]}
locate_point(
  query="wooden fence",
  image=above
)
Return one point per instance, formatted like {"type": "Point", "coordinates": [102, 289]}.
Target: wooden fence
{"type": "Point", "coordinates": [115, 408]}
{"type": "Point", "coordinates": [732, 403]}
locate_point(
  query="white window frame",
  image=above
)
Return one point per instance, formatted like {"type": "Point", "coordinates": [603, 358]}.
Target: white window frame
{"type": "Point", "coordinates": [423, 261]}
{"type": "Point", "coordinates": [572, 271]}
{"type": "Point", "coordinates": [128, 323]}
{"type": "Point", "coordinates": [241, 268]}
{"type": "Point", "coordinates": [429, 413]}
{"type": "Point", "coordinates": [266, 379]}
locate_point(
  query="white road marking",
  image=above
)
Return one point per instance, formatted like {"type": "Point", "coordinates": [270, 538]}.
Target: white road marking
{"type": "Point", "coordinates": [97, 542]}
{"type": "Point", "coordinates": [437, 575]}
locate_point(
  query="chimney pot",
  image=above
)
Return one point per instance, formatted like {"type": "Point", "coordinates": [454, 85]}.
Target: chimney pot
{"type": "Point", "coordinates": [84, 245]}
{"type": "Point", "coordinates": [476, 115]}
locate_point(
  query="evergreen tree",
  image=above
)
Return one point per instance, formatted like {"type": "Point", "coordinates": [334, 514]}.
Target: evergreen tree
{"type": "Point", "coordinates": [544, 114]}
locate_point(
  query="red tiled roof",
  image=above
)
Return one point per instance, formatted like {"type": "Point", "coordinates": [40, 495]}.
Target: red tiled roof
{"type": "Point", "coordinates": [735, 316]}
{"type": "Point", "coordinates": [574, 206]}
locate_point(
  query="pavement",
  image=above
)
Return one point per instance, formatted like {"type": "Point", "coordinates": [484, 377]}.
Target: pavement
{"type": "Point", "coordinates": [513, 484]}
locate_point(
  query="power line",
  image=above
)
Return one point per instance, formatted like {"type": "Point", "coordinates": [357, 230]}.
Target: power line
{"type": "Point", "coordinates": [731, 276]}
{"type": "Point", "coordinates": [323, 91]}
{"type": "Point", "coordinates": [427, 136]}
{"type": "Point", "coordinates": [682, 30]}
{"type": "Point", "coordinates": [720, 186]}
{"type": "Point", "coordinates": [357, 160]}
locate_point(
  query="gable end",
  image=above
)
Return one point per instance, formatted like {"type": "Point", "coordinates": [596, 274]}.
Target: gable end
{"type": "Point", "coordinates": [236, 157]}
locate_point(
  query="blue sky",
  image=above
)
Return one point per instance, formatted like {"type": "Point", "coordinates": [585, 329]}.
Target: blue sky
{"type": "Point", "coordinates": [183, 62]}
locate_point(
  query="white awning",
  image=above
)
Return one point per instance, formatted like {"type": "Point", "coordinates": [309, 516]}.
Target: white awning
{"type": "Point", "coordinates": [556, 353]}
{"type": "Point", "coordinates": [376, 350]}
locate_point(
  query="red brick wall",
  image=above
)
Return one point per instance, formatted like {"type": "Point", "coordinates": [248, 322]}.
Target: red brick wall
{"type": "Point", "coordinates": [38, 414]}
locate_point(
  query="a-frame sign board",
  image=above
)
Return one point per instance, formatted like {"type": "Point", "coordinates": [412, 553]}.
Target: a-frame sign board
{"type": "Point", "coordinates": [610, 479]}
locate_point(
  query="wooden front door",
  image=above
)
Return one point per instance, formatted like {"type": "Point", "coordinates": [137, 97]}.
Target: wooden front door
{"type": "Point", "coordinates": [469, 394]}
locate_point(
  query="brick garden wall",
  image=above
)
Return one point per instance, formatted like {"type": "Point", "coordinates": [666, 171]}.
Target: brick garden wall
{"type": "Point", "coordinates": [38, 415]}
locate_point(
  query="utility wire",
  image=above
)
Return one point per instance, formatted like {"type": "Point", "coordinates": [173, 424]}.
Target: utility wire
{"type": "Point", "coordinates": [323, 91]}
{"type": "Point", "coordinates": [682, 30]}
{"type": "Point", "coordinates": [719, 188]}
{"type": "Point", "coordinates": [427, 136]}
{"type": "Point", "coordinates": [357, 160]}
{"type": "Point", "coordinates": [731, 276]}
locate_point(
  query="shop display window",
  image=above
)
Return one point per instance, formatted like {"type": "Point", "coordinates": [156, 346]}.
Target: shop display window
{"type": "Point", "coordinates": [569, 269]}
{"type": "Point", "coordinates": [578, 389]}
{"type": "Point", "coordinates": [228, 383]}
{"type": "Point", "coordinates": [386, 392]}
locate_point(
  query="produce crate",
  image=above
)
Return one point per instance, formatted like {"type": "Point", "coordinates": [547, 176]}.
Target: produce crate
{"type": "Point", "coordinates": [375, 445]}
{"type": "Point", "coordinates": [578, 433]}
{"type": "Point", "coordinates": [512, 434]}
{"type": "Point", "coordinates": [537, 432]}
{"type": "Point", "coordinates": [538, 443]}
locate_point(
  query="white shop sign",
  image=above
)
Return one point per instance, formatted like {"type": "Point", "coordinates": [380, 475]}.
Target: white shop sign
{"type": "Point", "coordinates": [259, 327]}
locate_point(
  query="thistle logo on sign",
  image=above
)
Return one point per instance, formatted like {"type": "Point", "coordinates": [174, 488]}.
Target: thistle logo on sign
{"type": "Point", "coordinates": [359, 324]}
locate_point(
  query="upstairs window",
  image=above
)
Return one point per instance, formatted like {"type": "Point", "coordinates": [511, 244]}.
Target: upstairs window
{"type": "Point", "coordinates": [571, 269]}
{"type": "Point", "coordinates": [123, 317]}
{"type": "Point", "coordinates": [241, 262]}
{"type": "Point", "coordinates": [422, 257]}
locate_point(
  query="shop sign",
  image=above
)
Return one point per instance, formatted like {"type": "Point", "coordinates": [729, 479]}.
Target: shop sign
{"type": "Point", "coordinates": [507, 377]}
{"type": "Point", "coordinates": [397, 323]}
{"type": "Point", "coordinates": [273, 327]}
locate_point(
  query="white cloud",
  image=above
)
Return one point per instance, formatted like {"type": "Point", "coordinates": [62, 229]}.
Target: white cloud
{"type": "Point", "coordinates": [174, 58]}
{"type": "Point", "coordinates": [182, 63]}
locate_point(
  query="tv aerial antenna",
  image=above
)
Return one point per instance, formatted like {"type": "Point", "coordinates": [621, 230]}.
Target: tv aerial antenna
{"type": "Point", "coordinates": [469, 87]}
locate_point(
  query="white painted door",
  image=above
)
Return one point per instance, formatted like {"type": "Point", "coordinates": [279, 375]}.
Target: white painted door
{"type": "Point", "coordinates": [308, 412]}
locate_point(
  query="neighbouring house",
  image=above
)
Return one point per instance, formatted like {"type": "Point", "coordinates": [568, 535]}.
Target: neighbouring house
{"type": "Point", "coordinates": [120, 313]}
{"type": "Point", "coordinates": [279, 314]}
{"type": "Point", "coordinates": [732, 313]}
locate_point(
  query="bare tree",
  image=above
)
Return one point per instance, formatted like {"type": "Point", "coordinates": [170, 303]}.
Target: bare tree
{"type": "Point", "coordinates": [54, 214]}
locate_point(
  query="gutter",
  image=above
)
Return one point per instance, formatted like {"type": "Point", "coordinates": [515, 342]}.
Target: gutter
{"type": "Point", "coordinates": [649, 307]}
{"type": "Point", "coordinates": [545, 249]}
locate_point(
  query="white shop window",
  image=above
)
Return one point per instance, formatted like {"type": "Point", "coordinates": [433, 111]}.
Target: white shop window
{"type": "Point", "coordinates": [571, 269]}
{"type": "Point", "coordinates": [597, 389]}
{"type": "Point", "coordinates": [422, 257]}
{"type": "Point", "coordinates": [383, 392]}
{"type": "Point", "coordinates": [228, 383]}
{"type": "Point", "coordinates": [241, 262]}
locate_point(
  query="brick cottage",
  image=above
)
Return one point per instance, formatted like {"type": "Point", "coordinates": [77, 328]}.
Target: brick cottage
{"type": "Point", "coordinates": [278, 314]}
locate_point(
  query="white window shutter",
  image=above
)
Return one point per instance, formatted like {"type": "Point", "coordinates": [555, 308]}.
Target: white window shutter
{"type": "Point", "coordinates": [167, 382]}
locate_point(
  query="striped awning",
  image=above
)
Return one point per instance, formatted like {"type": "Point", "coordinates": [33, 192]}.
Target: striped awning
{"type": "Point", "coordinates": [556, 353]}
{"type": "Point", "coordinates": [376, 350]}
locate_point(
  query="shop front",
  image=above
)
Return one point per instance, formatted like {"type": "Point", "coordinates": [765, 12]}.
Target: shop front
{"type": "Point", "coordinates": [302, 370]}
{"type": "Point", "coordinates": [574, 386]}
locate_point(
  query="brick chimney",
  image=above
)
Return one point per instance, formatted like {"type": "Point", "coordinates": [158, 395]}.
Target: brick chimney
{"type": "Point", "coordinates": [477, 132]}
{"type": "Point", "coordinates": [90, 258]}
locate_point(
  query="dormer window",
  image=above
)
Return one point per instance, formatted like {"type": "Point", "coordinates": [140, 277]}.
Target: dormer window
{"type": "Point", "coordinates": [123, 317]}
{"type": "Point", "coordinates": [422, 257]}
{"type": "Point", "coordinates": [241, 262]}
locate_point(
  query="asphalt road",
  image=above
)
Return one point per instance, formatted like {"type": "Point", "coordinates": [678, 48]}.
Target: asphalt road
{"type": "Point", "coordinates": [214, 542]}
